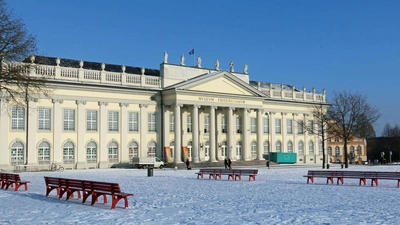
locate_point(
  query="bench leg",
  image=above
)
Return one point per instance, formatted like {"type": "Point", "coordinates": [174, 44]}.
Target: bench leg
{"type": "Point", "coordinates": [374, 180]}
{"type": "Point", "coordinates": [329, 179]}
{"type": "Point", "coordinates": [364, 180]}
{"type": "Point", "coordinates": [341, 179]}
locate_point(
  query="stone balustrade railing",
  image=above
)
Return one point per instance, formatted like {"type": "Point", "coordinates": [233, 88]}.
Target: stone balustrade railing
{"type": "Point", "coordinates": [278, 91]}
{"type": "Point", "coordinates": [94, 76]}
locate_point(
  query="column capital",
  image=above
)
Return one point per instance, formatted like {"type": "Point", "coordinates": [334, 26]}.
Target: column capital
{"type": "Point", "coordinates": [232, 108]}
{"type": "Point", "coordinates": [143, 105]}
{"type": "Point", "coordinates": [197, 106]}
{"type": "Point", "coordinates": [294, 114]}
{"type": "Point", "coordinates": [260, 111]}
{"type": "Point", "coordinates": [177, 104]}
{"type": "Point", "coordinates": [247, 110]}
{"type": "Point", "coordinates": [123, 104]}
{"type": "Point", "coordinates": [80, 102]}
{"type": "Point", "coordinates": [213, 107]}
{"type": "Point", "coordinates": [57, 101]}
{"type": "Point", "coordinates": [103, 103]}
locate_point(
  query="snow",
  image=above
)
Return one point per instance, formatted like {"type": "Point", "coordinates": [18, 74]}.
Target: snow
{"type": "Point", "coordinates": [279, 195]}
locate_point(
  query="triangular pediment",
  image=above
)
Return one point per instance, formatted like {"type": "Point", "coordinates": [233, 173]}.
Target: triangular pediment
{"type": "Point", "coordinates": [219, 82]}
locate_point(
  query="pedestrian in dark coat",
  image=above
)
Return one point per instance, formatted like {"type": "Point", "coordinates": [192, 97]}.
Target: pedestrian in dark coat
{"type": "Point", "coordinates": [226, 163]}
{"type": "Point", "coordinates": [187, 164]}
{"type": "Point", "coordinates": [229, 163]}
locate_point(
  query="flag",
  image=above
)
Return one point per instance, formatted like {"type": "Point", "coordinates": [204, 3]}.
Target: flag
{"type": "Point", "coordinates": [191, 52]}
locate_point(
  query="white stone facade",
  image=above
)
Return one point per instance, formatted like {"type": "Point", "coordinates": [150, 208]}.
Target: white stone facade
{"type": "Point", "coordinates": [100, 118]}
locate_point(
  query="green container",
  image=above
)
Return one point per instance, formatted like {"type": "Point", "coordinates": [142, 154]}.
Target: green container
{"type": "Point", "coordinates": [283, 157]}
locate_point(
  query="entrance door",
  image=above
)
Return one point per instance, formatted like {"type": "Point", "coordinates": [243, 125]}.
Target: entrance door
{"type": "Point", "coordinates": [239, 150]}
{"type": "Point", "coordinates": [207, 151]}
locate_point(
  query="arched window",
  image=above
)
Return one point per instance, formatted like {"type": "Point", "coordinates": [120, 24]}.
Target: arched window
{"type": "Point", "coordinates": [301, 148]}
{"type": "Point", "coordinates": [289, 146]}
{"type": "Point", "coordinates": [223, 149]}
{"type": "Point", "coordinates": [352, 150]}
{"type": "Point", "coordinates": [359, 152]}
{"type": "Point", "coordinates": [278, 147]}
{"type": "Point", "coordinates": [69, 153]}
{"type": "Point", "coordinates": [311, 148]}
{"type": "Point", "coordinates": [172, 148]}
{"type": "Point", "coordinates": [152, 149]}
{"type": "Point", "coordinates": [91, 152]}
{"type": "Point", "coordinates": [44, 153]}
{"type": "Point", "coordinates": [133, 149]}
{"type": "Point", "coordinates": [113, 152]}
{"type": "Point", "coordinates": [329, 150]}
{"type": "Point", "coordinates": [266, 147]}
{"type": "Point", "coordinates": [337, 151]}
{"type": "Point", "coordinates": [17, 153]}
{"type": "Point", "coordinates": [254, 149]}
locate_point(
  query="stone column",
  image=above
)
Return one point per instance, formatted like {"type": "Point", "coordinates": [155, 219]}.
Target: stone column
{"type": "Point", "coordinates": [143, 131]}
{"type": "Point", "coordinates": [212, 134]}
{"type": "Point", "coordinates": [260, 147]}
{"type": "Point", "coordinates": [80, 131]}
{"type": "Point", "coordinates": [4, 126]}
{"type": "Point", "coordinates": [32, 157]}
{"type": "Point", "coordinates": [246, 135]}
{"type": "Point", "coordinates": [231, 133]}
{"type": "Point", "coordinates": [103, 129]}
{"type": "Point", "coordinates": [123, 154]}
{"type": "Point", "coordinates": [56, 152]}
{"type": "Point", "coordinates": [166, 129]}
{"type": "Point", "coordinates": [195, 133]}
{"type": "Point", "coordinates": [177, 138]}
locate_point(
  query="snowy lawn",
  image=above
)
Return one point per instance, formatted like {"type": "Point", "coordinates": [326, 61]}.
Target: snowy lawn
{"type": "Point", "coordinates": [279, 195]}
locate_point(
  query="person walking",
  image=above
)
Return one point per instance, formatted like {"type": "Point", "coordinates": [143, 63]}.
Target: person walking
{"type": "Point", "coordinates": [188, 164]}
{"type": "Point", "coordinates": [226, 163]}
{"type": "Point", "coordinates": [229, 163]}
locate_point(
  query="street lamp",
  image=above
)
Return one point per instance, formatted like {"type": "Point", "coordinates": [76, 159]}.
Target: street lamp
{"type": "Point", "coordinates": [268, 162]}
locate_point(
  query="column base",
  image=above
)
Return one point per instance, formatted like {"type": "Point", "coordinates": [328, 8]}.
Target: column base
{"type": "Point", "coordinates": [81, 166]}
{"type": "Point", "coordinates": [103, 165]}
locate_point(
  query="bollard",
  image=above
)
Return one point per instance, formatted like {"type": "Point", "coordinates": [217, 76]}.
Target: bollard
{"type": "Point", "coordinates": [150, 171]}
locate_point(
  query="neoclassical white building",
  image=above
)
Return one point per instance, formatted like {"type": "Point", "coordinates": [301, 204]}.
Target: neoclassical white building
{"type": "Point", "coordinates": [100, 115]}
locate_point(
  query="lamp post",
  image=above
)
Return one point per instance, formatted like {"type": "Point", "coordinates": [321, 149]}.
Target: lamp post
{"type": "Point", "coordinates": [269, 157]}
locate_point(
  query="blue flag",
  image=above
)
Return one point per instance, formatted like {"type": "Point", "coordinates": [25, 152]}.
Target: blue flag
{"type": "Point", "coordinates": [191, 52]}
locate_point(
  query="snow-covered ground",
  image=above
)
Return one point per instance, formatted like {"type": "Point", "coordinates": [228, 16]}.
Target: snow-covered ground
{"type": "Point", "coordinates": [280, 195]}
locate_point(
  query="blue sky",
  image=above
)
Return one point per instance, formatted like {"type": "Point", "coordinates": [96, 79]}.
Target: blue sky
{"type": "Point", "coordinates": [333, 45]}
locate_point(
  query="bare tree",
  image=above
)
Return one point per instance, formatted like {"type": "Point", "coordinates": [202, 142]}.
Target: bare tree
{"type": "Point", "coordinates": [389, 131]}
{"type": "Point", "coordinates": [351, 116]}
{"type": "Point", "coordinates": [319, 126]}
{"type": "Point", "coordinates": [18, 81]}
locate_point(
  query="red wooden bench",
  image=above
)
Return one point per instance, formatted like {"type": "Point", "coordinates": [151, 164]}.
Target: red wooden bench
{"type": "Point", "coordinates": [12, 179]}
{"type": "Point", "coordinates": [238, 173]}
{"type": "Point", "coordinates": [88, 188]}
{"type": "Point", "coordinates": [340, 175]}
{"type": "Point", "coordinates": [234, 174]}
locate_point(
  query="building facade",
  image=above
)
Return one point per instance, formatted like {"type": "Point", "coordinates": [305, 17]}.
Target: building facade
{"type": "Point", "coordinates": [100, 116]}
{"type": "Point", "coordinates": [356, 150]}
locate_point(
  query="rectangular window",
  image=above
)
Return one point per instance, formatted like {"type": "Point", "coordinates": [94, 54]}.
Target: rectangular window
{"type": "Point", "coordinates": [310, 127]}
{"type": "Point", "coordinates": [223, 124]}
{"type": "Point", "coordinates": [152, 122]}
{"type": "Point", "coordinates": [238, 125]}
{"type": "Point", "coordinates": [206, 123]}
{"type": "Point", "coordinates": [18, 118]}
{"type": "Point", "coordinates": [171, 122]}
{"type": "Point", "coordinates": [289, 126]}
{"type": "Point", "coordinates": [91, 120]}
{"type": "Point", "coordinates": [266, 125]}
{"type": "Point", "coordinates": [300, 127]}
{"type": "Point", "coordinates": [134, 121]}
{"type": "Point", "coordinates": [113, 121]}
{"type": "Point", "coordinates": [189, 123]}
{"type": "Point", "coordinates": [253, 125]}
{"type": "Point", "coordinates": [69, 119]}
{"type": "Point", "coordinates": [44, 119]}
{"type": "Point", "coordinates": [278, 126]}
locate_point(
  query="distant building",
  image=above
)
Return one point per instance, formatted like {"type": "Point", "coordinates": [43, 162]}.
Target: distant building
{"type": "Point", "coordinates": [356, 150]}
{"type": "Point", "coordinates": [101, 115]}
